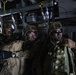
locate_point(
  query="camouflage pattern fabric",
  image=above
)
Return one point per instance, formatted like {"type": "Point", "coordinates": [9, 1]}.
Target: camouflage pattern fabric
{"type": "Point", "coordinates": [50, 67]}
{"type": "Point", "coordinates": [14, 65]}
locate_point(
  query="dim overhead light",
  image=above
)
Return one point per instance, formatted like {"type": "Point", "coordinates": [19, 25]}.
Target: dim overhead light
{"type": "Point", "coordinates": [0, 23]}
{"type": "Point", "coordinates": [55, 3]}
{"type": "Point", "coordinates": [13, 27]}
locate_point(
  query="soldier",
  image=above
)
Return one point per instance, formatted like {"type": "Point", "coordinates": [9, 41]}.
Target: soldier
{"type": "Point", "coordinates": [59, 59]}
{"type": "Point", "coordinates": [12, 52]}
{"type": "Point", "coordinates": [35, 45]}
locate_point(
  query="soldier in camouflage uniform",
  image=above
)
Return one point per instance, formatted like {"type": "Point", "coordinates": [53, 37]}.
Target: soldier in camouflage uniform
{"type": "Point", "coordinates": [35, 46]}
{"type": "Point", "coordinates": [12, 53]}
{"type": "Point", "coordinates": [59, 58]}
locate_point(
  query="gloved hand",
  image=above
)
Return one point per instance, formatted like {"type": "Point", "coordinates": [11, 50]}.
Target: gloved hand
{"type": "Point", "coordinates": [70, 43]}
{"type": "Point", "coordinates": [21, 54]}
{"type": "Point", "coordinates": [5, 55]}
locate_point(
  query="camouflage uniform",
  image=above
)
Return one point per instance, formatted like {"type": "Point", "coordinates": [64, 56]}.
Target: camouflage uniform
{"type": "Point", "coordinates": [59, 55]}
{"type": "Point", "coordinates": [12, 54]}
{"type": "Point", "coordinates": [36, 53]}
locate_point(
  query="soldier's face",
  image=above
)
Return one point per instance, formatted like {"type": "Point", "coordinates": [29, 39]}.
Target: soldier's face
{"type": "Point", "coordinates": [8, 32]}
{"type": "Point", "coordinates": [32, 35]}
{"type": "Point", "coordinates": [57, 34]}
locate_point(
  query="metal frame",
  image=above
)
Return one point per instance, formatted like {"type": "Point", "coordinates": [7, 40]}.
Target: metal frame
{"type": "Point", "coordinates": [25, 9]}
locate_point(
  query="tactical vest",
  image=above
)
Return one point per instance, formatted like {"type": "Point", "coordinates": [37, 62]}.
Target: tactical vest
{"type": "Point", "coordinates": [59, 62]}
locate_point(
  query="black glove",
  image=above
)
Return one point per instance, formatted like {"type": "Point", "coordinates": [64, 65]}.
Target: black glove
{"type": "Point", "coordinates": [5, 55]}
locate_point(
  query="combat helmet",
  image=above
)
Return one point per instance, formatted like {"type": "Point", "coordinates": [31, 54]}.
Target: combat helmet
{"type": "Point", "coordinates": [54, 26]}
{"type": "Point", "coordinates": [29, 28]}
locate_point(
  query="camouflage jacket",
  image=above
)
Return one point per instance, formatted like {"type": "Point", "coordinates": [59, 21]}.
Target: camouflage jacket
{"type": "Point", "coordinates": [53, 55]}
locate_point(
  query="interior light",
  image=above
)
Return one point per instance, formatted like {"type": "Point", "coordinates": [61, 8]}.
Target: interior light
{"type": "Point", "coordinates": [0, 23]}
{"type": "Point", "coordinates": [55, 3]}
{"type": "Point", "coordinates": [13, 27]}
